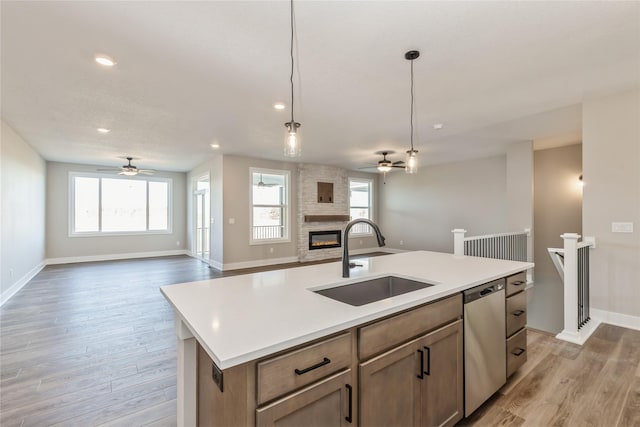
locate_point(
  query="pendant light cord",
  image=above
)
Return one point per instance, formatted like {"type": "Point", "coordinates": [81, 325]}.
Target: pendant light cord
{"type": "Point", "coordinates": [291, 77]}
{"type": "Point", "coordinates": [411, 120]}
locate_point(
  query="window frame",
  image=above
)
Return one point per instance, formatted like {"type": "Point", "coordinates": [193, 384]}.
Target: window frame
{"type": "Point", "coordinates": [370, 184]}
{"type": "Point", "coordinates": [286, 206]}
{"type": "Point", "coordinates": [71, 215]}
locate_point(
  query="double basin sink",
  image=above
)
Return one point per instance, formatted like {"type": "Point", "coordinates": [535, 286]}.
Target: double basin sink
{"type": "Point", "coordinates": [372, 290]}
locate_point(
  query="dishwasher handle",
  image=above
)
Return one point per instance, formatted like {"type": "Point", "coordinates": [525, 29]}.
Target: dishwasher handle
{"type": "Point", "coordinates": [482, 291]}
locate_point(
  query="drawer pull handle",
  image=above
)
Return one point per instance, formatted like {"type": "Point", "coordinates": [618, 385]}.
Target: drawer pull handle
{"type": "Point", "coordinates": [311, 368]}
{"type": "Point", "coordinates": [518, 313]}
{"type": "Point", "coordinates": [420, 375]}
{"type": "Point", "coordinates": [428, 371]}
{"type": "Point", "coordinates": [518, 351]}
{"type": "Point", "coordinates": [350, 390]}
{"type": "Point", "coordinates": [518, 283]}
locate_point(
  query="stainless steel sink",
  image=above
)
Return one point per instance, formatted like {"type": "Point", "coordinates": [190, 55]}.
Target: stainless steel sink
{"type": "Point", "coordinates": [373, 290]}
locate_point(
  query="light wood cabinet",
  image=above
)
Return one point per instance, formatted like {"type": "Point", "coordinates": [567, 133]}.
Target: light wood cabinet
{"type": "Point", "coordinates": [328, 402]}
{"type": "Point", "coordinates": [516, 321]}
{"type": "Point", "coordinates": [402, 370]}
{"type": "Point", "coordinates": [415, 384]}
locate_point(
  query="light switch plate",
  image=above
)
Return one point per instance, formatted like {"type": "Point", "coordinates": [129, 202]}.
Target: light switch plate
{"type": "Point", "coordinates": [622, 227]}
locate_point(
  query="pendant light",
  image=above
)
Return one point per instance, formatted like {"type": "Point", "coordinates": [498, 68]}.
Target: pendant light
{"type": "Point", "coordinates": [292, 142]}
{"type": "Point", "coordinates": [411, 164]}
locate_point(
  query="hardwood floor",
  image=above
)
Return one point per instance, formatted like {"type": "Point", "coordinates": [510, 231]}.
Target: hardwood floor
{"type": "Point", "coordinates": [563, 384]}
{"type": "Point", "coordinates": [93, 344]}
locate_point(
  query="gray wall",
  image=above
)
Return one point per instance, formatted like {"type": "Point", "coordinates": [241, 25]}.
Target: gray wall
{"type": "Point", "coordinates": [611, 160]}
{"type": "Point", "coordinates": [61, 247]}
{"type": "Point", "coordinates": [558, 210]}
{"type": "Point", "coordinates": [22, 210]}
{"type": "Point", "coordinates": [421, 210]}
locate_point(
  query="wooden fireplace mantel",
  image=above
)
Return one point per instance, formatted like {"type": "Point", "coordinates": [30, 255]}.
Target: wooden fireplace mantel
{"type": "Point", "coordinates": [326, 218]}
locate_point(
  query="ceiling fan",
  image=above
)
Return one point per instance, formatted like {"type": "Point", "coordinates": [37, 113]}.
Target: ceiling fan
{"type": "Point", "coordinates": [261, 183]}
{"type": "Point", "coordinates": [128, 169]}
{"type": "Point", "coordinates": [385, 165]}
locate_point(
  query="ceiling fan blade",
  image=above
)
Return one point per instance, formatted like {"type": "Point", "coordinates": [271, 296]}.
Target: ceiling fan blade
{"type": "Point", "coordinates": [145, 172]}
{"type": "Point", "coordinates": [399, 162]}
{"type": "Point", "coordinates": [398, 166]}
{"type": "Point", "coordinates": [109, 170]}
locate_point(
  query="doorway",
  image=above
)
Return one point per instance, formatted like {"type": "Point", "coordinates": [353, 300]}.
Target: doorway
{"type": "Point", "coordinates": [202, 208]}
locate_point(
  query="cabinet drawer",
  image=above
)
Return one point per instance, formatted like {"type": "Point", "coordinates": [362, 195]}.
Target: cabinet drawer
{"type": "Point", "coordinates": [380, 336]}
{"type": "Point", "coordinates": [516, 351]}
{"type": "Point", "coordinates": [516, 312]}
{"type": "Point", "coordinates": [298, 368]}
{"type": "Point", "coordinates": [516, 283]}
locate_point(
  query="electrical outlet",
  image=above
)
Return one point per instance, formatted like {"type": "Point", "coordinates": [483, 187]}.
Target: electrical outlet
{"type": "Point", "coordinates": [232, 221]}
{"type": "Point", "coordinates": [360, 241]}
{"type": "Point", "coordinates": [270, 250]}
{"type": "Point", "coordinates": [177, 242]}
{"type": "Point", "coordinates": [11, 273]}
{"type": "Point", "coordinates": [401, 242]}
{"type": "Point", "coordinates": [622, 227]}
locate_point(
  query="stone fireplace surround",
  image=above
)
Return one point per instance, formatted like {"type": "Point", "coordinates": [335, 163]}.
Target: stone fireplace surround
{"type": "Point", "coordinates": [308, 177]}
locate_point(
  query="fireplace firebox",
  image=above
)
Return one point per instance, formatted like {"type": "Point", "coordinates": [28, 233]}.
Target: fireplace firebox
{"type": "Point", "coordinates": [325, 239]}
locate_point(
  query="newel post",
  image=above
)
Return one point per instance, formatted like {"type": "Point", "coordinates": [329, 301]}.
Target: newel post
{"type": "Point", "coordinates": [458, 241]}
{"type": "Point", "coordinates": [570, 283]}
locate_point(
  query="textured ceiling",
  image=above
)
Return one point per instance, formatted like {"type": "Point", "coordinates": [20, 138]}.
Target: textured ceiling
{"type": "Point", "coordinates": [193, 73]}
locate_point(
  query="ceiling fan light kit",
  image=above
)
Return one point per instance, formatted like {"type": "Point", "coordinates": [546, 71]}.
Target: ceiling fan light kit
{"type": "Point", "coordinates": [128, 169]}
{"type": "Point", "coordinates": [411, 164]}
{"type": "Point", "coordinates": [292, 141]}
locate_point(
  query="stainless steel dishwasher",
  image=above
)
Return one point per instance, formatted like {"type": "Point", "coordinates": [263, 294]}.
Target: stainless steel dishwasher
{"type": "Point", "coordinates": [485, 366]}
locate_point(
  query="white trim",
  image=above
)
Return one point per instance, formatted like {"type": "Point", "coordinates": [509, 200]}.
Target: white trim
{"type": "Point", "coordinates": [71, 232]}
{"type": "Point", "coordinates": [258, 263]}
{"type": "Point", "coordinates": [617, 319]}
{"type": "Point", "coordinates": [6, 295]}
{"type": "Point", "coordinates": [287, 205]}
{"type": "Point", "coordinates": [215, 264]}
{"type": "Point", "coordinates": [583, 333]}
{"type": "Point", "coordinates": [110, 257]}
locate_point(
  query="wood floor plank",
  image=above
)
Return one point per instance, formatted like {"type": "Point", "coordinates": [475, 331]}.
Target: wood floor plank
{"type": "Point", "coordinates": [630, 415]}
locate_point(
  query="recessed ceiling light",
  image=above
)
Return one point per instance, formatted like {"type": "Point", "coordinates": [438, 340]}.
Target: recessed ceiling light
{"type": "Point", "coordinates": [279, 106]}
{"type": "Point", "coordinates": [214, 145]}
{"type": "Point", "coordinates": [105, 60]}
{"type": "Point", "coordinates": [438, 126]}
{"type": "Point", "coordinates": [103, 130]}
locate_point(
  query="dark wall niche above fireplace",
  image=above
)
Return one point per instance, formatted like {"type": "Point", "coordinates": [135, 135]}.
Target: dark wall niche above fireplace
{"type": "Point", "coordinates": [325, 192]}
{"type": "Point", "coordinates": [325, 239]}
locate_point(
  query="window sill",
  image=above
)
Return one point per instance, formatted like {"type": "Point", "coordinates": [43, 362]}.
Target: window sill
{"type": "Point", "coordinates": [120, 233]}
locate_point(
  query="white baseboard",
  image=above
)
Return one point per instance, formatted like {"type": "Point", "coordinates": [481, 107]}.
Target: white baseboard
{"type": "Point", "coordinates": [215, 264]}
{"type": "Point", "coordinates": [583, 333]}
{"type": "Point", "coordinates": [257, 263]}
{"type": "Point", "coordinates": [6, 295]}
{"type": "Point", "coordinates": [110, 257]}
{"type": "Point", "coordinates": [617, 319]}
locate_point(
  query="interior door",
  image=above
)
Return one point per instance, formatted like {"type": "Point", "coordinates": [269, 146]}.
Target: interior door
{"type": "Point", "coordinates": [202, 208]}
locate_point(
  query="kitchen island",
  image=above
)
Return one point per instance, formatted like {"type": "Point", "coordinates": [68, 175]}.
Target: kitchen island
{"type": "Point", "coordinates": [238, 321]}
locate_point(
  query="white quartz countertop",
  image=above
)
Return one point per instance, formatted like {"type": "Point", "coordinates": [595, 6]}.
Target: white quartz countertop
{"type": "Point", "coordinates": [241, 318]}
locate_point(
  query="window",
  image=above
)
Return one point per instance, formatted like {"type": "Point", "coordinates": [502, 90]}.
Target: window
{"type": "Point", "coordinates": [269, 205]}
{"type": "Point", "coordinates": [114, 205]}
{"type": "Point", "coordinates": [360, 203]}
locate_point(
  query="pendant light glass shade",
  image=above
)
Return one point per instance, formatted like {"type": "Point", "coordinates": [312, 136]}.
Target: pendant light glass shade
{"type": "Point", "coordinates": [411, 164]}
{"type": "Point", "coordinates": [292, 141]}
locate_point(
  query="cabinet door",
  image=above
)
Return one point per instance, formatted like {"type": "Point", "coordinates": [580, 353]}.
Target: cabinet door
{"type": "Point", "coordinates": [325, 403]}
{"type": "Point", "coordinates": [389, 393]}
{"type": "Point", "coordinates": [442, 393]}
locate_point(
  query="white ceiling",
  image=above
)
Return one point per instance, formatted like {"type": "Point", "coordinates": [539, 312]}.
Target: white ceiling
{"type": "Point", "coordinates": [193, 73]}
